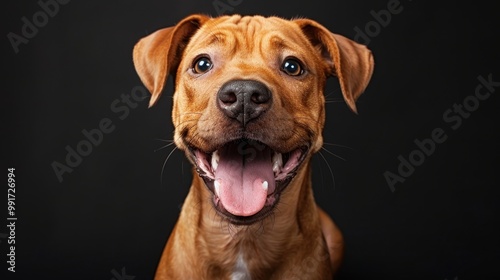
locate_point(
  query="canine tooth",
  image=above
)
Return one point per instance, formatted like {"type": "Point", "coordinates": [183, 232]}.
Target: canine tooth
{"type": "Point", "coordinates": [217, 187]}
{"type": "Point", "coordinates": [215, 160]}
{"type": "Point", "coordinates": [277, 162]}
{"type": "Point", "coordinates": [265, 185]}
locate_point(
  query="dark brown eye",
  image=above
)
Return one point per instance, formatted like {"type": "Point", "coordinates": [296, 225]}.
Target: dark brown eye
{"type": "Point", "coordinates": [292, 67]}
{"type": "Point", "coordinates": [202, 65]}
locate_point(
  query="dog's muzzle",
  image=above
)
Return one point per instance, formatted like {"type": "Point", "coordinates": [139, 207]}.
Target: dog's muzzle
{"type": "Point", "coordinates": [245, 175]}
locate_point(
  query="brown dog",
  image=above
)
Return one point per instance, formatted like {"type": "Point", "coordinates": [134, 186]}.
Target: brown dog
{"type": "Point", "coordinates": [248, 110]}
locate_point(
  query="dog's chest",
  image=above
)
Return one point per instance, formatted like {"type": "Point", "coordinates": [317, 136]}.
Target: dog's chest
{"type": "Point", "coordinates": [240, 270]}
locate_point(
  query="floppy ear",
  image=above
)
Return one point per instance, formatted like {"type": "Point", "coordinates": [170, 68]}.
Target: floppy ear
{"type": "Point", "coordinates": [158, 54]}
{"type": "Point", "coordinates": [351, 62]}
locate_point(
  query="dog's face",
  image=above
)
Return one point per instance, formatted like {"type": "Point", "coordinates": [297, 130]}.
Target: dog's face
{"type": "Point", "coordinates": [248, 104]}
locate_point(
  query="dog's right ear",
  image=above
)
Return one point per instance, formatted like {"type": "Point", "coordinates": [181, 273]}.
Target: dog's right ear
{"type": "Point", "coordinates": [158, 55]}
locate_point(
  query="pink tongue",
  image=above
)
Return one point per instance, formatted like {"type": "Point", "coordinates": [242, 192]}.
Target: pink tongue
{"type": "Point", "coordinates": [241, 172]}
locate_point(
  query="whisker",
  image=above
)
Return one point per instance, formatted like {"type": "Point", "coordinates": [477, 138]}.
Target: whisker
{"type": "Point", "coordinates": [188, 128]}
{"type": "Point", "coordinates": [165, 163]}
{"type": "Point", "coordinates": [333, 99]}
{"type": "Point", "coordinates": [338, 145]}
{"type": "Point", "coordinates": [164, 140]}
{"type": "Point", "coordinates": [329, 168]}
{"type": "Point", "coordinates": [327, 101]}
{"type": "Point", "coordinates": [165, 146]}
{"type": "Point", "coordinates": [321, 175]}
{"type": "Point", "coordinates": [332, 92]}
{"type": "Point", "coordinates": [333, 154]}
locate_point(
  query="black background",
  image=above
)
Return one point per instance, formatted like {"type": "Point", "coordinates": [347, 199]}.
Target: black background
{"type": "Point", "coordinates": [110, 217]}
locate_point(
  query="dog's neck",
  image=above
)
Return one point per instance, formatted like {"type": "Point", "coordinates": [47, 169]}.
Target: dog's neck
{"type": "Point", "coordinates": [259, 246]}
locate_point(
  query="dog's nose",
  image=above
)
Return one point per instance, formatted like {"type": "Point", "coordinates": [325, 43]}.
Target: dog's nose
{"type": "Point", "coordinates": [244, 100]}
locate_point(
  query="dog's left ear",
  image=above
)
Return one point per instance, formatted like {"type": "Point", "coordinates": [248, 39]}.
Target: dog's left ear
{"type": "Point", "coordinates": [158, 54]}
{"type": "Point", "coordinates": [351, 62]}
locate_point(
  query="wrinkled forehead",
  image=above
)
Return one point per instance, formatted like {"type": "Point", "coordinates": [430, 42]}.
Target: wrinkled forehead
{"type": "Point", "coordinates": [248, 33]}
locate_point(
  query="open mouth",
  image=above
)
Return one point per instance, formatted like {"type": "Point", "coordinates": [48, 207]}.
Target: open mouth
{"type": "Point", "coordinates": [246, 177]}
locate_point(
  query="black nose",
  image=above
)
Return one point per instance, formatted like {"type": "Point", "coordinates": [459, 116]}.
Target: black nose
{"type": "Point", "coordinates": [244, 100]}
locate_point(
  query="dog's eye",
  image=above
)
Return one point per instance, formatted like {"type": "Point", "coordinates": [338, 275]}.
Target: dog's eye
{"type": "Point", "coordinates": [292, 67]}
{"type": "Point", "coordinates": [202, 65]}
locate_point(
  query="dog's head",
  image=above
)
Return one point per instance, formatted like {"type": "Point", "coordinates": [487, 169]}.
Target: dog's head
{"type": "Point", "coordinates": [248, 104]}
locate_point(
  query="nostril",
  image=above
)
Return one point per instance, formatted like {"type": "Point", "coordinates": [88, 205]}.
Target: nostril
{"type": "Point", "coordinates": [228, 97]}
{"type": "Point", "coordinates": [260, 97]}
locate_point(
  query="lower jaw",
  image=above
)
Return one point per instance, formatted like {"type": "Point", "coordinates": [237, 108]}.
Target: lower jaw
{"type": "Point", "coordinates": [264, 213]}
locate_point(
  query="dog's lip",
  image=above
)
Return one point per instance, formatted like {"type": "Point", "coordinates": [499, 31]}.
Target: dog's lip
{"type": "Point", "coordinates": [204, 164]}
{"type": "Point", "coordinates": [284, 173]}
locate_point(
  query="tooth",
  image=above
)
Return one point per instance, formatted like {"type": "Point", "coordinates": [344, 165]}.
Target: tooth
{"type": "Point", "coordinates": [265, 185]}
{"type": "Point", "coordinates": [215, 160]}
{"type": "Point", "coordinates": [217, 187]}
{"type": "Point", "coordinates": [277, 162]}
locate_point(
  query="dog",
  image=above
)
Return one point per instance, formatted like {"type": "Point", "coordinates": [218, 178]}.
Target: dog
{"type": "Point", "coordinates": [248, 111]}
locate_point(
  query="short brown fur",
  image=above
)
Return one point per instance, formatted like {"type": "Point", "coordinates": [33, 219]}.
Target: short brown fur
{"type": "Point", "coordinates": [299, 240]}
